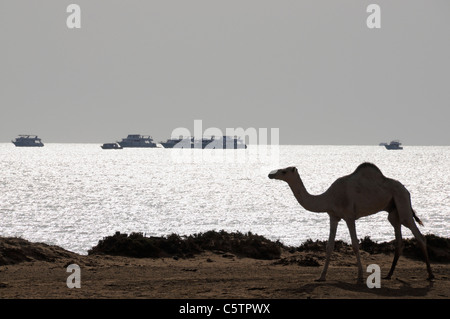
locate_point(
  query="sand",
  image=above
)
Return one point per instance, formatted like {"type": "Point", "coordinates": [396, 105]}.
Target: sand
{"type": "Point", "coordinates": [39, 271]}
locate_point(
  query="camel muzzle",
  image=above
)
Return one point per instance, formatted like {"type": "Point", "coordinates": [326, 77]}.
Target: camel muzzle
{"type": "Point", "coordinates": [272, 174]}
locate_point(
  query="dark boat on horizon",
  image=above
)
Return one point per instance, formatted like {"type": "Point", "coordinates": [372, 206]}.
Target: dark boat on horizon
{"type": "Point", "coordinates": [394, 145]}
{"type": "Point", "coordinates": [25, 140]}
{"type": "Point", "coordinates": [137, 140]}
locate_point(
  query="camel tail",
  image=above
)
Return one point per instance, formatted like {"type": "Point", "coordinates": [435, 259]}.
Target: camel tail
{"type": "Point", "coordinates": [400, 204]}
{"type": "Point", "coordinates": [417, 219]}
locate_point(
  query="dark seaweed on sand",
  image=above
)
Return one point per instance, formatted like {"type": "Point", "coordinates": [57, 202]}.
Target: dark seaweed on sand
{"type": "Point", "coordinates": [251, 245]}
{"type": "Point", "coordinates": [137, 245]}
{"type": "Point", "coordinates": [438, 247]}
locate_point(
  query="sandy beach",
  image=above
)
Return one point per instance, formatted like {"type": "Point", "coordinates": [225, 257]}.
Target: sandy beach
{"type": "Point", "coordinates": [38, 271]}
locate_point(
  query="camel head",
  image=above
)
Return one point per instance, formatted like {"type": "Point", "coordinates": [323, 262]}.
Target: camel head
{"type": "Point", "coordinates": [284, 174]}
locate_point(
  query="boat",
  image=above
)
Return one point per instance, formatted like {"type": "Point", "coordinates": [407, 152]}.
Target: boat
{"type": "Point", "coordinates": [180, 142]}
{"type": "Point", "coordinates": [226, 142]}
{"type": "Point", "coordinates": [111, 146]}
{"type": "Point", "coordinates": [394, 145]}
{"type": "Point", "coordinates": [137, 140]}
{"type": "Point", "coordinates": [25, 140]}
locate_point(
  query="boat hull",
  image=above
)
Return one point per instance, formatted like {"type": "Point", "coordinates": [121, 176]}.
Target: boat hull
{"type": "Point", "coordinates": [390, 147]}
{"type": "Point", "coordinates": [28, 145]}
{"type": "Point", "coordinates": [205, 146]}
{"type": "Point", "coordinates": [128, 145]}
{"type": "Point", "coordinates": [111, 147]}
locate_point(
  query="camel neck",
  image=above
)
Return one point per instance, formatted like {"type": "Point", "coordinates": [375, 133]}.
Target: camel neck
{"type": "Point", "coordinates": [313, 203]}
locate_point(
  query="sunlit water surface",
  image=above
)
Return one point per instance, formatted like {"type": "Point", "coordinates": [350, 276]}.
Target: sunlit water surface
{"type": "Point", "coordinates": [73, 195]}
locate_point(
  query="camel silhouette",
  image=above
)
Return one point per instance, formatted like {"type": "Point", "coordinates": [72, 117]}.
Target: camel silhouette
{"type": "Point", "coordinates": [364, 192]}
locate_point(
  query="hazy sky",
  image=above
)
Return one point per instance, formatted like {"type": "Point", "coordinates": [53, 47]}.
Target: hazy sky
{"type": "Point", "coordinates": [313, 69]}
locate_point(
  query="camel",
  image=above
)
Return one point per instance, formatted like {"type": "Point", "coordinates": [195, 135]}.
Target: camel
{"type": "Point", "coordinates": [364, 192]}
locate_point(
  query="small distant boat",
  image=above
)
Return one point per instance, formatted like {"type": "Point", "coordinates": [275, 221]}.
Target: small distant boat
{"type": "Point", "coordinates": [111, 146]}
{"type": "Point", "coordinates": [137, 140]}
{"type": "Point", "coordinates": [27, 141]}
{"type": "Point", "coordinates": [394, 145]}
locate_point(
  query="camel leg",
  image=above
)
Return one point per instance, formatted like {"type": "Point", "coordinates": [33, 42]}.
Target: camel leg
{"type": "Point", "coordinates": [422, 244]}
{"type": "Point", "coordinates": [330, 246]}
{"type": "Point", "coordinates": [355, 245]}
{"type": "Point", "coordinates": [393, 219]}
{"type": "Point", "coordinates": [405, 215]}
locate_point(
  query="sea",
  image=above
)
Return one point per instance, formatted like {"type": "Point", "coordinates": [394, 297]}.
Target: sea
{"type": "Point", "coordinates": [73, 195]}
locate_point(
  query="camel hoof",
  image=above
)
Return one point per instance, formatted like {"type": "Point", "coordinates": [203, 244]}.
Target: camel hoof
{"type": "Point", "coordinates": [320, 279]}
{"type": "Point", "coordinates": [387, 277]}
{"type": "Point", "coordinates": [431, 278]}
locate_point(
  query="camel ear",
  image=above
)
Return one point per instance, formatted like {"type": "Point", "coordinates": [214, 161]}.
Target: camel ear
{"type": "Point", "coordinates": [294, 169]}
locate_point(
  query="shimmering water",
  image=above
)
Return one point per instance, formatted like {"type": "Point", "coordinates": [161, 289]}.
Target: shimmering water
{"type": "Point", "coordinates": [72, 195]}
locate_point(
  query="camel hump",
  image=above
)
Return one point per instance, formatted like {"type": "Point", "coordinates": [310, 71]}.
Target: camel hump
{"type": "Point", "coordinates": [367, 167]}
